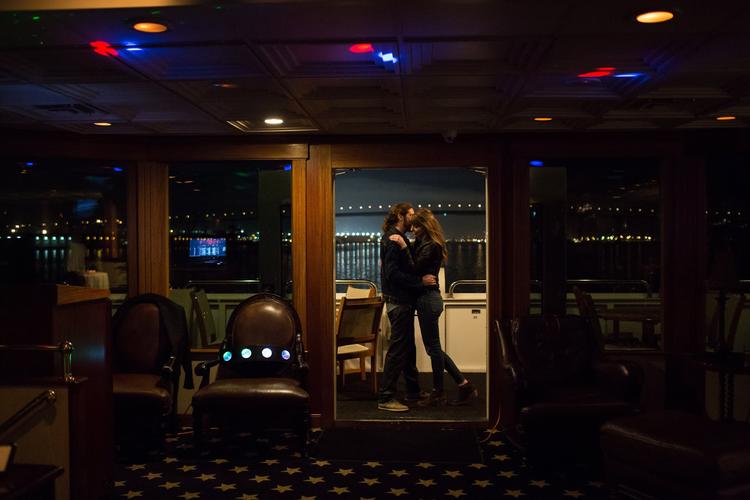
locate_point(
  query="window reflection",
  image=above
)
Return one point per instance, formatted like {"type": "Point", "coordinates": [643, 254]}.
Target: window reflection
{"type": "Point", "coordinates": [64, 222]}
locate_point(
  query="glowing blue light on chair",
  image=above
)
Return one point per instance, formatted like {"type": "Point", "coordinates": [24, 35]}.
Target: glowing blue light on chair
{"type": "Point", "coordinates": [266, 352]}
{"type": "Point", "coordinates": [285, 354]}
{"type": "Point", "coordinates": [227, 355]}
{"type": "Point", "coordinates": [246, 353]}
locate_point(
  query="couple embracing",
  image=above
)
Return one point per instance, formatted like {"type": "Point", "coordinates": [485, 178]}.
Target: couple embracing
{"type": "Point", "coordinates": [409, 281]}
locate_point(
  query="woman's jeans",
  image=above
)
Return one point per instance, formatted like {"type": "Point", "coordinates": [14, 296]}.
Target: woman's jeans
{"type": "Point", "coordinates": [429, 309]}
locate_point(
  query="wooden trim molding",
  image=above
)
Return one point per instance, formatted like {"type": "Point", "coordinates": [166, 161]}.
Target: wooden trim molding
{"type": "Point", "coordinates": [148, 228]}
{"type": "Point", "coordinates": [299, 243]}
{"type": "Point", "coordinates": [395, 155]}
{"type": "Point", "coordinates": [319, 291]}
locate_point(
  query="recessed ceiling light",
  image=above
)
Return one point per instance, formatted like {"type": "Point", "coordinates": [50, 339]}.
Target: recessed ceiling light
{"type": "Point", "coordinates": [102, 124]}
{"type": "Point", "coordinates": [726, 118]}
{"type": "Point", "coordinates": [542, 119]}
{"type": "Point", "coordinates": [656, 16]}
{"type": "Point", "coordinates": [150, 27]}
{"type": "Point", "coordinates": [273, 121]}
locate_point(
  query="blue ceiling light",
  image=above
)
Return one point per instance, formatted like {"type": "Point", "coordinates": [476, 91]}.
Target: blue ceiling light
{"type": "Point", "coordinates": [117, 169]}
{"type": "Point", "coordinates": [29, 163]}
{"type": "Point", "coordinates": [387, 57]}
{"type": "Point", "coordinates": [288, 167]}
{"type": "Point", "coordinates": [628, 75]}
{"type": "Point", "coordinates": [536, 163]}
{"type": "Point", "coordinates": [285, 355]}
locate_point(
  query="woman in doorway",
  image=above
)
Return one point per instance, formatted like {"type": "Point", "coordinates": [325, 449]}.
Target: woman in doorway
{"type": "Point", "coordinates": [428, 256]}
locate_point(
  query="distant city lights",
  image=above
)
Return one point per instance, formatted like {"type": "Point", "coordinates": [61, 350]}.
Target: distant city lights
{"type": "Point", "coordinates": [361, 48]}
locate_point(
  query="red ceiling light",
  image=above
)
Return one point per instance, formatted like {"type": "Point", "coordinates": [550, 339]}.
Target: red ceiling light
{"type": "Point", "coordinates": [361, 48]}
{"type": "Point", "coordinates": [606, 68]}
{"type": "Point", "coordinates": [104, 48]}
{"type": "Point", "coordinates": [595, 74]}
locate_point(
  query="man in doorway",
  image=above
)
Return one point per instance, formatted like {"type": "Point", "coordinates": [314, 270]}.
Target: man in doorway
{"type": "Point", "coordinates": [400, 290]}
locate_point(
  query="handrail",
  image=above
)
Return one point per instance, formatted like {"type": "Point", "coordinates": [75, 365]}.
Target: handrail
{"type": "Point", "coordinates": [465, 282]}
{"type": "Point", "coordinates": [369, 283]}
{"type": "Point", "coordinates": [65, 348]}
{"type": "Point", "coordinates": [645, 284]}
{"type": "Point", "coordinates": [45, 398]}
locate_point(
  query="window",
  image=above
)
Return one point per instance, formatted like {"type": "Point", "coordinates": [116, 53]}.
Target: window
{"type": "Point", "coordinates": [64, 222]}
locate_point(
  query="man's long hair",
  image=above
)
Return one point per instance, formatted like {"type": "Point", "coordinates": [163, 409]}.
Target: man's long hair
{"type": "Point", "coordinates": [424, 218]}
{"type": "Point", "coordinates": [392, 218]}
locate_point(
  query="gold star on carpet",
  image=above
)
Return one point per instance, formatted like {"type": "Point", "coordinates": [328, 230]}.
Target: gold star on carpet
{"type": "Point", "coordinates": [259, 479]}
{"type": "Point", "coordinates": [456, 493]}
{"type": "Point", "coordinates": [539, 484]}
{"type": "Point", "coordinates": [119, 484]}
{"type": "Point", "coordinates": [477, 466]}
{"type": "Point", "coordinates": [168, 485]}
{"type": "Point", "coordinates": [136, 467]}
{"type": "Point", "coordinates": [219, 461]}
{"type": "Point", "coordinates": [398, 472]}
{"type": "Point", "coordinates": [514, 493]}
{"type": "Point", "coordinates": [572, 493]}
{"type": "Point", "coordinates": [495, 443]}
{"type": "Point", "coordinates": [132, 494]}
{"type": "Point", "coordinates": [280, 447]}
{"type": "Point", "coordinates": [452, 473]}
{"type": "Point", "coordinates": [303, 497]}
{"type": "Point", "coordinates": [270, 461]}
{"type": "Point", "coordinates": [186, 468]}
{"type": "Point", "coordinates": [426, 482]}
{"type": "Point", "coordinates": [152, 475]}
{"type": "Point", "coordinates": [224, 487]}
{"type": "Point", "coordinates": [369, 482]}
{"type": "Point", "coordinates": [321, 463]}
{"type": "Point", "coordinates": [372, 464]}
{"type": "Point", "coordinates": [315, 480]}
{"type": "Point", "coordinates": [291, 470]}
{"type": "Point", "coordinates": [482, 483]}
{"type": "Point", "coordinates": [206, 477]}
{"type": "Point", "coordinates": [171, 440]}
{"type": "Point", "coordinates": [245, 496]}
{"type": "Point", "coordinates": [344, 472]}
{"type": "Point", "coordinates": [188, 495]}
{"type": "Point", "coordinates": [339, 490]}
{"type": "Point", "coordinates": [507, 474]}
{"type": "Point", "coordinates": [491, 431]}
{"type": "Point", "coordinates": [596, 484]}
{"type": "Point", "coordinates": [502, 458]}
{"type": "Point", "coordinates": [397, 491]}
{"type": "Point", "coordinates": [169, 460]}
{"type": "Point", "coordinates": [237, 469]}
{"type": "Point", "coordinates": [425, 465]}
{"type": "Point", "coordinates": [281, 488]}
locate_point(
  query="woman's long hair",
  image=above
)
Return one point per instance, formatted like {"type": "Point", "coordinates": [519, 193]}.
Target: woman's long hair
{"type": "Point", "coordinates": [392, 218]}
{"type": "Point", "coordinates": [433, 230]}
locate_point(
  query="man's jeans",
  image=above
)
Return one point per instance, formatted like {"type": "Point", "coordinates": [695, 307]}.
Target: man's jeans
{"type": "Point", "coordinates": [429, 309]}
{"type": "Point", "coordinates": [402, 353]}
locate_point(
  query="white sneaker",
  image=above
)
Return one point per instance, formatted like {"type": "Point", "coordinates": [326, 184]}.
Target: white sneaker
{"type": "Point", "coordinates": [392, 405]}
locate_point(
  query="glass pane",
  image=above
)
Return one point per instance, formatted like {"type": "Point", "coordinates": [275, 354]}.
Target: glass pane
{"type": "Point", "coordinates": [64, 222]}
{"type": "Point", "coordinates": [230, 237]}
{"type": "Point", "coordinates": [595, 229]}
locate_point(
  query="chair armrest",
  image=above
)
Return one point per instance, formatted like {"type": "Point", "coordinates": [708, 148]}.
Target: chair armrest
{"type": "Point", "coordinates": [203, 370]}
{"type": "Point", "coordinates": [625, 377]}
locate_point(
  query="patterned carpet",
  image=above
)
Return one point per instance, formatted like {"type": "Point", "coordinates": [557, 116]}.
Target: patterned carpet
{"type": "Point", "coordinates": [244, 467]}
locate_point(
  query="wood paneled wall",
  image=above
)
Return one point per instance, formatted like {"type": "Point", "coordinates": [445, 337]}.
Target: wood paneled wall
{"type": "Point", "coordinates": [148, 228]}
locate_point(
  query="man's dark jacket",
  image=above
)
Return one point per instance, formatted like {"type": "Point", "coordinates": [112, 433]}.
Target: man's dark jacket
{"type": "Point", "coordinates": [399, 286]}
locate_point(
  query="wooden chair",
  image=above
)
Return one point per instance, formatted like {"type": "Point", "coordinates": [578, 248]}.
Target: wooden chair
{"type": "Point", "coordinates": [353, 292]}
{"type": "Point", "coordinates": [734, 306]}
{"type": "Point", "coordinates": [357, 328]}
{"type": "Point", "coordinates": [587, 310]}
{"type": "Point", "coordinates": [203, 319]}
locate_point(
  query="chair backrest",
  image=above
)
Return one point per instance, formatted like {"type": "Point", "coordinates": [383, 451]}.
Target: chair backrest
{"type": "Point", "coordinates": [203, 318]}
{"type": "Point", "coordinates": [358, 320]}
{"type": "Point", "coordinates": [734, 306]}
{"type": "Point", "coordinates": [353, 292]}
{"type": "Point", "coordinates": [587, 309]}
{"type": "Point", "coordinates": [553, 350]}
{"type": "Point", "coordinates": [262, 321]}
{"type": "Point", "coordinates": [140, 343]}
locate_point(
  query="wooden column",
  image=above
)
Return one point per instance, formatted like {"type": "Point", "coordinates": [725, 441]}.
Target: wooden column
{"type": "Point", "coordinates": [319, 291]}
{"type": "Point", "coordinates": [299, 244]}
{"type": "Point", "coordinates": [148, 228]}
{"type": "Point", "coordinates": [683, 262]}
{"type": "Point", "coordinates": [508, 248]}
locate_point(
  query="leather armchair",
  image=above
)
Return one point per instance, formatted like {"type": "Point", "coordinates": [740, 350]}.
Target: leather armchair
{"type": "Point", "coordinates": [262, 373]}
{"type": "Point", "coordinates": [149, 337]}
{"type": "Point", "coordinates": [559, 389]}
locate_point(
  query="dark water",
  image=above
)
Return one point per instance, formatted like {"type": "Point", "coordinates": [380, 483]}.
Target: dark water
{"type": "Point", "coordinates": [466, 261]}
